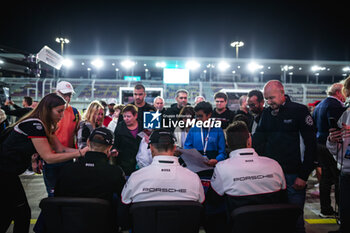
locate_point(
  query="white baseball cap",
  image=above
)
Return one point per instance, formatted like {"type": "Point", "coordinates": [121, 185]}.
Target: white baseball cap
{"type": "Point", "coordinates": [65, 87]}
{"type": "Point", "coordinates": [112, 101]}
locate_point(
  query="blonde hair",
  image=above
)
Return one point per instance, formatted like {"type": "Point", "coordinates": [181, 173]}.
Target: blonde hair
{"type": "Point", "coordinates": [346, 87]}
{"type": "Point", "coordinates": [91, 110]}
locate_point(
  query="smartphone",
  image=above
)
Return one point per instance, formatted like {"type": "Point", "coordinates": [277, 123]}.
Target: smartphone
{"type": "Point", "coordinates": [333, 123]}
{"type": "Point", "coordinates": [9, 98]}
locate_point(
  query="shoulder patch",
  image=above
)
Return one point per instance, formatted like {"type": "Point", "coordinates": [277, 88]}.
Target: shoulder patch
{"type": "Point", "coordinates": [308, 120]}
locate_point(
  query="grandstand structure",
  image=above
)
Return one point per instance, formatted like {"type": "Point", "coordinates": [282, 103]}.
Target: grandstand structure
{"type": "Point", "coordinates": [102, 78]}
{"type": "Point", "coordinates": [102, 89]}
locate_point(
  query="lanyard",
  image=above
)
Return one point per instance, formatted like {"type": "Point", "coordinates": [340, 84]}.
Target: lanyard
{"type": "Point", "coordinates": [205, 144]}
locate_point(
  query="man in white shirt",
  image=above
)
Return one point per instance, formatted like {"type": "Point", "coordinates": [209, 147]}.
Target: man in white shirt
{"type": "Point", "coordinates": [164, 179]}
{"type": "Point", "coordinates": [247, 178]}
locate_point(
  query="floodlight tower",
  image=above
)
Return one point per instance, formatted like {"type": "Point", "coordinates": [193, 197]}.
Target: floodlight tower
{"type": "Point", "coordinates": [62, 41]}
{"type": "Point", "coordinates": [237, 44]}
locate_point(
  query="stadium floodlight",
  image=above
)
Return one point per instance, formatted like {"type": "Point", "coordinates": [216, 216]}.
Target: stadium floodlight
{"type": "Point", "coordinates": [1, 62]}
{"type": "Point", "coordinates": [345, 69]}
{"type": "Point", "coordinates": [67, 63]}
{"type": "Point", "coordinates": [128, 64]}
{"type": "Point", "coordinates": [62, 41]}
{"type": "Point", "coordinates": [253, 66]}
{"type": "Point", "coordinates": [97, 63]}
{"type": "Point", "coordinates": [192, 65]}
{"type": "Point", "coordinates": [317, 68]}
{"type": "Point", "coordinates": [223, 66]}
{"type": "Point", "coordinates": [161, 64]}
{"type": "Point", "coordinates": [237, 44]}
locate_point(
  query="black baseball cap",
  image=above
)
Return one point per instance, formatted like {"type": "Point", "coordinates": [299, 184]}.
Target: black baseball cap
{"type": "Point", "coordinates": [162, 136]}
{"type": "Point", "coordinates": [107, 135]}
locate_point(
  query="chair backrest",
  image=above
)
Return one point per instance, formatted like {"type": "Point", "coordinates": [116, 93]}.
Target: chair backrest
{"type": "Point", "coordinates": [265, 218]}
{"type": "Point", "coordinates": [71, 214]}
{"type": "Point", "coordinates": [166, 216]}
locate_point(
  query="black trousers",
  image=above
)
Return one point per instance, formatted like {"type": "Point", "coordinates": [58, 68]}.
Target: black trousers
{"type": "Point", "coordinates": [329, 176]}
{"type": "Point", "coordinates": [14, 204]}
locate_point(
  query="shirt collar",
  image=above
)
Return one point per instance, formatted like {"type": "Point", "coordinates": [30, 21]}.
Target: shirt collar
{"type": "Point", "coordinates": [243, 152]}
{"type": "Point", "coordinates": [165, 160]}
{"type": "Point", "coordinates": [342, 104]}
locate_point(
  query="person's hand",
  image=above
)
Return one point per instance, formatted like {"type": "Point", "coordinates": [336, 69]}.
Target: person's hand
{"type": "Point", "coordinates": [37, 164]}
{"type": "Point", "coordinates": [299, 184]}
{"type": "Point", "coordinates": [84, 150]}
{"type": "Point", "coordinates": [113, 153]}
{"type": "Point", "coordinates": [211, 162]}
{"type": "Point", "coordinates": [345, 130]}
{"type": "Point", "coordinates": [335, 135]}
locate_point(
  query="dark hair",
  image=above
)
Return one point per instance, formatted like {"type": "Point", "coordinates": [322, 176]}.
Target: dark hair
{"type": "Point", "coordinates": [187, 110]}
{"type": "Point", "coordinates": [205, 106]}
{"type": "Point", "coordinates": [130, 108]}
{"type": "Point", "coordinates": [220, 95]}
{"type": "Point", "coordinates": [96, 146]}
{"type": "Point", "coordinates": [28, 100]}
{"type": "Point", "coordinates": [139, 86]}
{"type": "Point", "coordinates": [237, 135]}
{"type": "Point", "coordinates": [241, 117]}
{"type": "Point", "coordinates": [259, 95]}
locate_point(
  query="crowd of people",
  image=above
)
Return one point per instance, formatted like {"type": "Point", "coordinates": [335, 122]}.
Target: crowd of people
{"type": "Point", "coordinates": [107, 152]}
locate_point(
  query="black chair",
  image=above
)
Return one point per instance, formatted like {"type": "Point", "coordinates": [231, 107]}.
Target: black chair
{"type": "Point", "coordinates": [272, 218]}
{"type": "Point", "coordinates": [75, 215]}
{"type": "Point", "coordinates": [166, 217]}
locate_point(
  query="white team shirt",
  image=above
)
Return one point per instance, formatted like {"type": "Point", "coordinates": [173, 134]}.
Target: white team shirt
{"type": "Point", "coordinates": [163, 180]}
{"type": "Point", "coordinates": [246, 173]}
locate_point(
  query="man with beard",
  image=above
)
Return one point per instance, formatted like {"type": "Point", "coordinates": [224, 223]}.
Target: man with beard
{"type": "Point", "coordinates": [255, 104]}
{"type": "Point", "coordinates": [139, 101]}
{"type": "Point", "coordinates": [174, 110]}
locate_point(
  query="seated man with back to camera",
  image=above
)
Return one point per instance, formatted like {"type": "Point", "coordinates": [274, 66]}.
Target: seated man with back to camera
{"type": "Point", "coordinates": [158, 181]}
{"type": "Point", "coordinates": [247, 178]}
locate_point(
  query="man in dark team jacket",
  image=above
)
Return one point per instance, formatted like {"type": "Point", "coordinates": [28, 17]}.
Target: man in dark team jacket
{"type": "Point", "coordinates": [278, 137]}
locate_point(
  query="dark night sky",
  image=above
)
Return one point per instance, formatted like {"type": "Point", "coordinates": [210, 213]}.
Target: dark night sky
{"type": "Point", "coordinates": [274, 30]}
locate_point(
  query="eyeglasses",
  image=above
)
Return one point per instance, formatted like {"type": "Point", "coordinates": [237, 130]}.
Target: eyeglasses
{"type": "Point", "coordinates": [251, 105]}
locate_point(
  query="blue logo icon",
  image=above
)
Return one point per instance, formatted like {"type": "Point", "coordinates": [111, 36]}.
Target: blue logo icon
{"type": "Point", "coordinates": [151, 120]}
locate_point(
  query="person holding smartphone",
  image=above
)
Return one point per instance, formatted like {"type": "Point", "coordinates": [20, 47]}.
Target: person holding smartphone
{"type": "Point", "coordinates": [338, 143]}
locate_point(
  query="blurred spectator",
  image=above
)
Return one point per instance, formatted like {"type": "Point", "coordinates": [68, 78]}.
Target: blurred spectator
{"type": "Point", "coordinates": [198, 99]}
{"type": "Point", "coordinates": [3, 121]}
{"type": "Point", "coordinates": [111, 102]}
{"type": "Point", "coordinates": [221, 112]}
{"type": "Point", "coordinates": [115, 118]}
{"type": "Point", "coordinates": [255, 104]}
{"type": "Point", "coordinates": [174, 110]}
{"type": "Point", "coordinates": [244, 110]}
{"type": "Point", "coordinates": [92, 118]}
{"type": "Point", "coordinates": [186, 113]}
{"type": "Point", "coordinates": [158, 104]}
{"type": "Point", "coordinates": [181, 101]}
{"type": "Point", "coordinates": [338, 143]}
{"type": "Point", "coordinates": [332, 106]}
{"type": "Point", "coordinates": [18, 112]}
{"type": "Point", "coordinates": [312, 106]}
{"type": "Point", "coordinates": [127, 140]}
